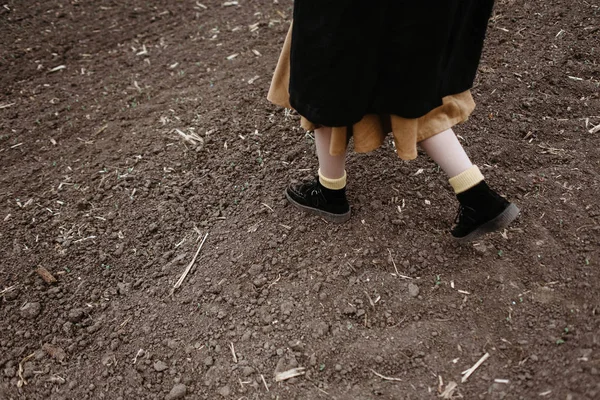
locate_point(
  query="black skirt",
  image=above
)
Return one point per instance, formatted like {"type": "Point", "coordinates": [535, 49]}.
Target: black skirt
{"type": "Point", "coordinates": [351, 58]}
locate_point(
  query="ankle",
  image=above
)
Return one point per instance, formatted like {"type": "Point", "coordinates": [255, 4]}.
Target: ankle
{"type": "Point", "coordinates": [333, 194]}
{"type": "Point", "coordinates": [466, 180]}
{"type": "Point", "coordinates": [332, 184]}
{"type": "Point", "coordinates": [482, 198]}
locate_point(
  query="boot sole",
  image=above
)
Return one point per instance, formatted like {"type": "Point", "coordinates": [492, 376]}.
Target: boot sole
{"type": "Point", "coordinates": [336, 218]}
{"type": "Point", "coordinates": [501, 221]}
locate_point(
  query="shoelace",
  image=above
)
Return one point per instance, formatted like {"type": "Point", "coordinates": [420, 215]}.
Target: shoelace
{"type": "Point", "coordinates": [310, 187]}
{"type": "Point", "coordinates": [312, 190]}
{"type": "Point", "coordinates": [464, 213]}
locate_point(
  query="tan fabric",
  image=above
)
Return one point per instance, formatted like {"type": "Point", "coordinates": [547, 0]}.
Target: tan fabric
{"type": "Point", "coordinates": [369, 133]}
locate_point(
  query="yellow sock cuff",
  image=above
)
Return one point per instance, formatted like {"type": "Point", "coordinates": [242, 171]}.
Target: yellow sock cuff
{"type": "Point", "coordinates": [333, 184]}
{"type": "Point", "coordinates": [466, 180]}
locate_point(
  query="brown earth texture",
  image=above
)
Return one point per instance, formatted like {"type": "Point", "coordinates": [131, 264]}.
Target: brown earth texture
{"type": "Point", "coordinates": [130, 130]}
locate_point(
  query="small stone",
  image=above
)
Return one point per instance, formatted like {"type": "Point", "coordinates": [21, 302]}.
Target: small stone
{"type": "Point", "coordinates": [413, 290]}
{"type": "Point", "coordinates": [10, 372]}
{"type": "Point", "coordinates": [267, 318]}
{"type": "Point", "coordinates": [287, 307]}
{"type": "Point", "coordinates": [255, 270]}
{"type": "Point", "coordinates": [11, 295]}
{"type": "Point", "coordinates": [378, 359]}
{"type": "Point", "coordinates": [281, 365]}
{"type": "Point", "coordinates": [55, 352]}
{"type": "Point", "coordinates": [119, 250]}
{"type": "Point", "coordinates": [123, 288]}
{"type": "Point", "coordinates": [321, 329]}
{"type": "Point", "coordinates": [31, 310]}
{"type": "Point", "coordinates": [178, 392]}
{"type": "Point", "coordinates": [296, 345]}
{"type": "Point", "coordinates": [480, 248]}
{"type": "Point", "coordinates": [349, 310]}
{"type": "Point", "coordinates": [76, 315]}
{"type": "Point", "coordinates": [338, 367]}
{"type": "Point", "coordinates": [114, 344]}
{"type": "Point", "coordinates": [247, 371]}
{"type": "Point", "coordinates": [259, 282]}
{"type": "Point", "coordinates": [39, 355]}
{"type": "Point", "coordinates": [160, 366]}
{"type": "Point", "coordinates": [108, 359]}
{"type": "Point", "coordinates": [209, 361]}
{"type": "Point", "coordinates": [27, 370]}
{"type": "Point", "coordinates": [94, 328]}
{"type": "Point", "coordinates": [68, 328]}
{"type": "Point", "coordinates": [225, 391]}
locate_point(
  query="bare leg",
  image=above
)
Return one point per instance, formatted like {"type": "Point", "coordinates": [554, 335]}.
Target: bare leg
{"type": "Point", "coordinates": [330, 167]}
{"type": "Point", "coordinates": [482, 210]}
{"type": "Point", "coordinates": [327, 196]}
{"type": "Point", "coordinates": [445, 149]}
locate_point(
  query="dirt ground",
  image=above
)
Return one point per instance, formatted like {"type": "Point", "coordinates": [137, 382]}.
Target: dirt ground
{"type": "Point", "coordinates": [98, 187]}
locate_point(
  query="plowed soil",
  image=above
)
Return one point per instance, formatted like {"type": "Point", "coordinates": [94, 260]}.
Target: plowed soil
{"type": "Point", "coordinates": [99, 187]}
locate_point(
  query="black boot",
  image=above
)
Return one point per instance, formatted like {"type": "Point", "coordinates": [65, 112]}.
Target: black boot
{"type": "Point", "coordinates": [316, 199]}
{"type": "Point", "coordinates": [481, 211]}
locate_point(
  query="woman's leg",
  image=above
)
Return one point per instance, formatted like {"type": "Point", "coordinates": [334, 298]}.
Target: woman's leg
{"type": "Point", "coordinates": [445, 149]}
{"type": "Point", "coordinates": [332, 172]}
{"type": "Point", "coordinates": [482, 209]}
{"type": "Point", "coordinates": [327, 196]}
